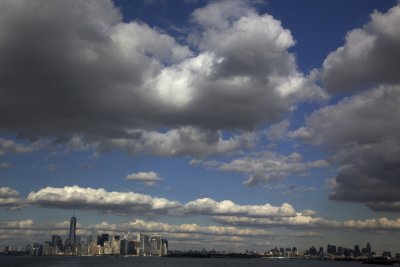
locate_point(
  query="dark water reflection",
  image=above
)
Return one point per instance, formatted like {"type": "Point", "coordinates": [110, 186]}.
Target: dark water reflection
{"type": "Point", "coordinates": [165, 262]}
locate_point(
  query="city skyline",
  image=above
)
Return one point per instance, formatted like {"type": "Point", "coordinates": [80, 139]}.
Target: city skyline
{"type": "Point", "coordinates": [232, 125]}
{"type": "Point", "coordinates": [93, 245]}
{"type": "Point", "coordinates": [126, 244]}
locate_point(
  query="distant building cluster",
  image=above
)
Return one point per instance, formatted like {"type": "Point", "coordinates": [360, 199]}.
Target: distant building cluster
{"type": "Point", "coordinates": [332, 252]}
{"type": "Point", "coordinates": [93, 245]}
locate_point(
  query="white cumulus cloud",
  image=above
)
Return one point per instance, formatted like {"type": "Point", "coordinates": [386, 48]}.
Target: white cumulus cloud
{"type": "Point", "coordinates": [149, 178]}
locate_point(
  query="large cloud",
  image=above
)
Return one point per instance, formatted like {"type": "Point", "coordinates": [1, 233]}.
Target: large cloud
{"type": "Point", "coordinates": [75, 69]}
{"type": "Point", "coordinates": [370, 55]}
{"type": "Point", "coordinates": [101, 200]}
{"type": "Point", "coordinates": [134, 203]}
{"type": "Point", "coordinates": [227, 207]}
{"type": "Point", "coordinates": [363, 133]}
{"type": "Point", "coordinates": [180, 141]}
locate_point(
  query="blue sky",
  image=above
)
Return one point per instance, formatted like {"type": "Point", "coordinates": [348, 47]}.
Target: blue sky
{"type": "Point", "coordinates": [219, 124]}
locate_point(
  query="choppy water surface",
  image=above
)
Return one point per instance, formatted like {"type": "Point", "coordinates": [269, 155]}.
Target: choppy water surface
{"type": "Point", "coordinates": [165, 262]}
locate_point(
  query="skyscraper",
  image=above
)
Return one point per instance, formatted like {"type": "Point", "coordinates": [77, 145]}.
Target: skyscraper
{"type": "Point", "coordinates": [72, 231]}
{"type": "Point", "coordinates": [56, 242]}
{"type": "Point", "coordinates": [101, 239]}
{"type": "Point", "coordinates": [369, 252]}
{"type": "Point", "coordinates": [144, 249]}
{"type": "Point", "coordinates": [357, 251]}
{"type": "Point", "coordinates": [155, 245]}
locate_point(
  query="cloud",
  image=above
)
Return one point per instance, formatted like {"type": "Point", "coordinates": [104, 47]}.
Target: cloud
{"type": "Point", "coordinates": [9, 198]}
{"type": "Point", "coordinates": [302, 221]}
{"type": "Point", "coordinates": [126, 79]}
{"type": "Point", "coordinates": [159, 227]}
{"type": "Point", "coordinates": [308, 234]}
{"type": "Point", "coordinates": [207, 206]}
{"type": "Point", "coordinates": [149, 178]}
{"type": "Point", "coordinates": [9, 146]}
{"type": "Point", "coordinates": [278, 130]}
{"type": "Point", "coordinates": [180, 141]}
{"type": "Point", "coordinates": [290, 189]}
{"type": "Point", "coordinates": [130, 203]}
{"type": "Point", "coordinates": [370, 55]}
{"type": "Point", "coordinates": [266, 166]}
{"type": "Point", "coordinates": [362, 133]}
{"type": "Point", "coordinates": [220, 15]}
{"type": "Point", "coordinates": [298, 221]}
{"type": "Point", "coordinates": [23, 224]}
{"type": "Point", "coordinates": [387, 206]}
{"type": "Point", "coordinates": [101, 200]}
{"type": "Point", "coordinates": [293, 189]}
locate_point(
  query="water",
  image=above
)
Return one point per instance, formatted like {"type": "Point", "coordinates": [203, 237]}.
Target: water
{"type": "Point", "coordinates": [166, 262]}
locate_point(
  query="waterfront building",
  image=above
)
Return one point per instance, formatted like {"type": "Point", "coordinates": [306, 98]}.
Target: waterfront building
{"type": "Point", "coordinates": [340, 251]}
{"type": "Point", "coordinates": [164, 250]}
{"type": "Point", "coordinates": [47, 249]}
{"type": "Point", "coordinates": [56, 243]}
{"type": "Point", "coordinates": [116, 245]}
{"type": "Point", "coordinates": [68, 248]}
{"type": "Point", "coordinates": [369, 251]}
{"type": "Point", "coordinates": [387, 254]}
{"type": "Point", "coordinates": [93, 235]}
{"type": "Point", "coordinates": [101, 239]}
{"type": "Point", "coordinates": [357, 251]}
{"type": "Point", "coordinates": [364, 252]}
{"type": "Point", "coordinates": [133, 247]}
{"type": "Point", "coordinates": [331, 249]}
{"type": "Point", "coordinates": [312, 251]}
{"type": "Point", "coordinates": [94, 249]}
{"type": "Point", "coordinates": [124, 247]}
{"type": "Point", "coordinates": [72, 231]}
{"type": "Point", "coordinates": [107, 250]}
{"type": "Point", "coordinates": [155, 245]}
{"type": "Point", "coordinates": [83, 248]}
{"type": "Point", "coordinates": [143, 249]}
{"type": "Point", "coordinates": [35, 249]}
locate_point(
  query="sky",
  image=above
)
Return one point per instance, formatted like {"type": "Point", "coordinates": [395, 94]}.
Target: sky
{"type": "Point", "coordinates": [231, 125]}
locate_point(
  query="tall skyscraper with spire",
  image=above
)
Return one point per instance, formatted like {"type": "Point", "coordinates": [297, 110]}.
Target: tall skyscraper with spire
{"type": "Point", "coordinates": [72, 230]}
